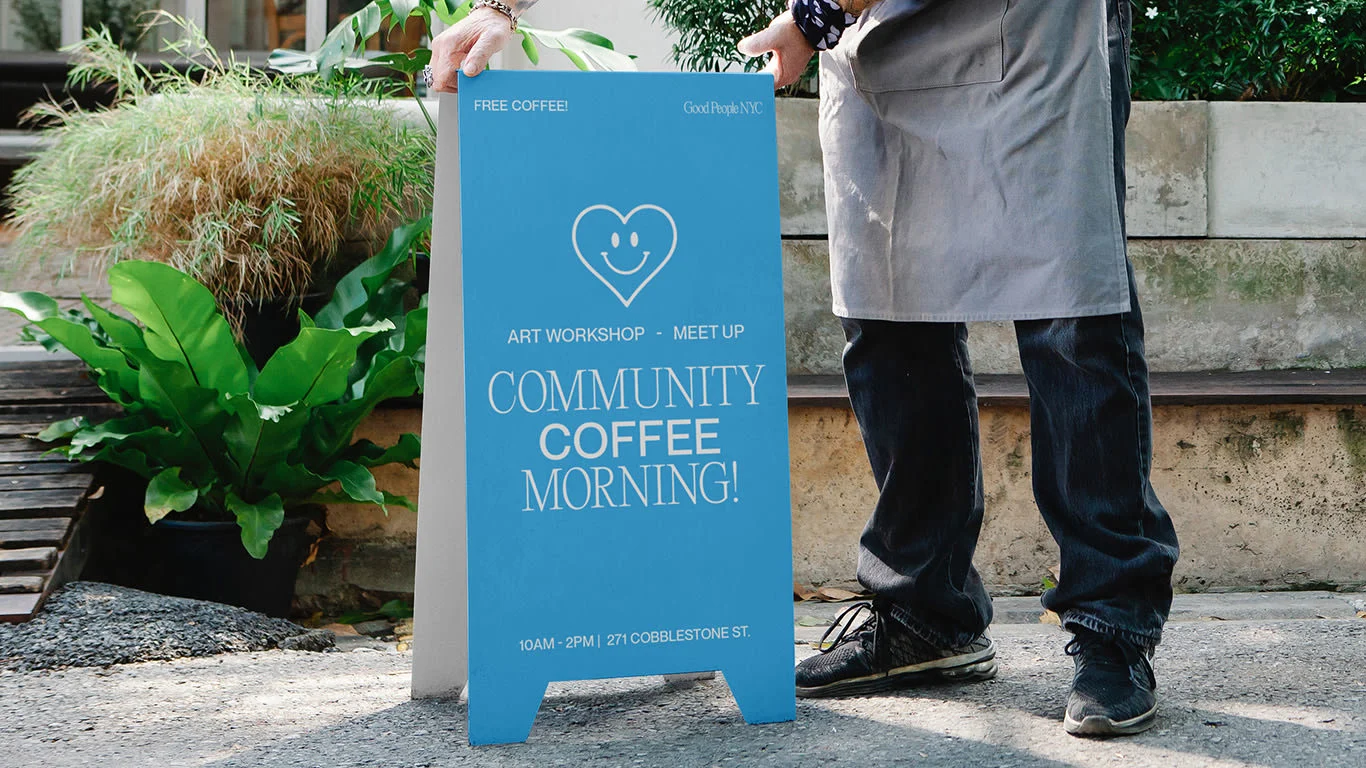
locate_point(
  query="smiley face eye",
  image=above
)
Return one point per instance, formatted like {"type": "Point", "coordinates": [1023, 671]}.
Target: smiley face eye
{"type": "Point", "coordinates": [616, 240]}
{"type": "Point", "coordinates": [635, 240]}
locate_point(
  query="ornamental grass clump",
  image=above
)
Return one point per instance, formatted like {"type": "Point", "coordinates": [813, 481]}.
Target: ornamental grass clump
{"type": "Point", "coordinates": [251, 184]}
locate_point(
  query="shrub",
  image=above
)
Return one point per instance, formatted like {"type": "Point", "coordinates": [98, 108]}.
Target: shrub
{"type": "Point", "coordinates": [1272, 50]}
{"type": "Point", "coordinates": [1182, 49]}
{"type": "Point", "coordinates": [709, 29]}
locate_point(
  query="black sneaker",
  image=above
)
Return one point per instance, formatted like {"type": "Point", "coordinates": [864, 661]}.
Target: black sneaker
{"type": "Point", "coordinates": [881, 654]}
{"type": "Point", "coordinates": [1113, 688]}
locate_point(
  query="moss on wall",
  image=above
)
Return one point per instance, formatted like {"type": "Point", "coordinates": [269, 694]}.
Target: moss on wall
{"type": "Point", "coordinates": [1256, 271]}
{"type": "Point", "coordinates": [1340, 278]}
{"type": "Point", "coordinates": [1181, 270]}
{"type": "Point", "coordinates": [1353, 432]}
{"type": "Point", "coordinates": [1277, 275]}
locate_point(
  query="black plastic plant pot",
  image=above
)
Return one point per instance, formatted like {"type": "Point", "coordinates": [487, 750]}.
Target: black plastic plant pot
{"type": "Point", "coordinates": [268, 324]}
{"type": "Point", "coordinates": [206, 561]}
{"type": "Point", "coordinates": [422, 280]}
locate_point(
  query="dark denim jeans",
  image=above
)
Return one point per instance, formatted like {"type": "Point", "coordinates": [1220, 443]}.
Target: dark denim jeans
{"type": "Point", "coordinates": [1091, 436]}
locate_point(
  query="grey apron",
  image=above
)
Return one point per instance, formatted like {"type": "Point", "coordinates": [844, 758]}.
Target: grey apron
{"type": "Point", "coordinates": [970, 163]}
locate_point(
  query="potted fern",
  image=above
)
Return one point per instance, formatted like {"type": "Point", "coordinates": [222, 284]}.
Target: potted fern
{"type": "Point", "coordinates": [237, 459]}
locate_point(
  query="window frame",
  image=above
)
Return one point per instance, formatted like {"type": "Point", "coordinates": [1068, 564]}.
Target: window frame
{"type": "Point", "coordinates": [315, 20]}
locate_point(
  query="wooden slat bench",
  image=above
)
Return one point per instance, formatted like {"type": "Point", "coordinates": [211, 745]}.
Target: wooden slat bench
{"type": "Point", "coordinates": [1339, 387]}
{"type": "Point", "coordinates": [42, 497]}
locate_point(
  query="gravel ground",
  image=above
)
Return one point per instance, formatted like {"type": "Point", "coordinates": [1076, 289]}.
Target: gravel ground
{"type": "Point", "coordinates": [86, 624]}
{"type": "Point", "coordinates": [1263, 693]}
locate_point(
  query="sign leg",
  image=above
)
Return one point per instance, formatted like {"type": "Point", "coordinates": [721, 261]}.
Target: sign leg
{"type": "Point", "coordinates": [503, 713]}
{"type": "Point", "coordinates": [441, 647]}
{"type": "Point", "coordinates": [764, 690]}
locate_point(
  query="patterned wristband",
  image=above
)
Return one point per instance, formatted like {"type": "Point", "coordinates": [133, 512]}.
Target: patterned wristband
{"type": "Point", "coordinates": [821, 22]}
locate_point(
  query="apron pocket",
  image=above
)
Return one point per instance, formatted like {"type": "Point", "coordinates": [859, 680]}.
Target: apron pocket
{"type": "Point", "coordinates": [899, 47]}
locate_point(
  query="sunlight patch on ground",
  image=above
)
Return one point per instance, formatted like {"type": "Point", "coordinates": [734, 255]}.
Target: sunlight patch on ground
{"type": "Point", "coordinates": [1317, 718]}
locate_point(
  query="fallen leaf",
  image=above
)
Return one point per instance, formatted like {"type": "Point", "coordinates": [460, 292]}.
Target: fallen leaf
{"type": "Point", "coordinates": [312, 555]}
{"type": "Point", "coordinates": [99, 492]}
{"type": "Point", "coordinates": [802, 592]}
{"type": "Point", "coordinates": [837, 595]}
{"type": "Point", "coordinates": [1361, 614]}
{"type": "Point", "coordinates": [1049, 617]}
{"type": "Point", "coordinates": [342, 629]}
{"type": "Point", "coordinates": [812, 621]}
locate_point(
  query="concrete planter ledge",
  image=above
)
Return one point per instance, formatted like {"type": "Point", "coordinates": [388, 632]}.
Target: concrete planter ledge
{"type": "Point", "coordinates": [1208, 304]}
{"type": "Point", "coordinates": [1195, 169]}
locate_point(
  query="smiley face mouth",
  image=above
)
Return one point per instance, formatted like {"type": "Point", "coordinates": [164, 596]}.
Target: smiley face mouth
{"type": "Point", "coordinates": [616, 245]}
{"type": "Point", "coordinates": [644, 257]}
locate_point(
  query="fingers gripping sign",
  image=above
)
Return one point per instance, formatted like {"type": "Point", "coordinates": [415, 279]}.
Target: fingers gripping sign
{"type": "Point", "coordinates": [790, 49]}
{"type": "Point", "coordinates": [468, 46]}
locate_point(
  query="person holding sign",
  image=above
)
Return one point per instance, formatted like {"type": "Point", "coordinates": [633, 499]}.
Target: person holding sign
{"type": "Point", "coordinates": [974, 155]}
{"type": "Point", "coordinates": [974, 171]}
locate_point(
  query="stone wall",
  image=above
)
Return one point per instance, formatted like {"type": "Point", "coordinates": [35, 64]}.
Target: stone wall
{"type": "Point", "coordinates": [1195, 169]}
{"type": "Point", "coordinates": [1264, 497]}
{"type": "Point", "coordinates": [1246, 224]}
{"type": "Point", "coordinates": [1209, 186]}
{"type": "Point", "coordinates": [1209, 304]}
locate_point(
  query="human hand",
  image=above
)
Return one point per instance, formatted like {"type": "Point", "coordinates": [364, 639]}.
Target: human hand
{"type": "Point", "coordinates": [791, 52]}
{"type": "Point", "coordinates": [468, 45]}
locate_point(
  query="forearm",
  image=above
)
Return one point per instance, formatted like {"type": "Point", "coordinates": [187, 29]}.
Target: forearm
{"type": "Point", "coordinates": [823, 22]}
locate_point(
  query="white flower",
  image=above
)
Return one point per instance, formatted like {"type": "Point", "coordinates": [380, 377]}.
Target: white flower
{"type": "Point", "coordinates": [1152, 12]}
{"type": "Point", "coordinates": [1322, 20]}
{"type": "Point", "coordinates": [1311, 10]}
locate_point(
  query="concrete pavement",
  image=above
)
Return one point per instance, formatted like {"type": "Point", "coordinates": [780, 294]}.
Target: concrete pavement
{"type": "Point", "coordinates": [1249, 688]}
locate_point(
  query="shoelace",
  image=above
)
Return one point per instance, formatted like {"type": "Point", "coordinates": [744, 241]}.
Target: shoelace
{"type": "Point", "coordinates": [845, 624]}
{"type": "Point", "coordinates": [1110, 652]}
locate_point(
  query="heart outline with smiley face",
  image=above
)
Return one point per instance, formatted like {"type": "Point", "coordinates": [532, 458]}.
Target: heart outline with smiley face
{"type": "Point", "coordinates": [625, 300]}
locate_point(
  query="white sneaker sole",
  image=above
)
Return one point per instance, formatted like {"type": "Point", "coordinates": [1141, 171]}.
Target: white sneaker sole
{"type": "Point", "coordinates": [965, 668]}
{"type": "Point", "coordinates": [1098, 726]}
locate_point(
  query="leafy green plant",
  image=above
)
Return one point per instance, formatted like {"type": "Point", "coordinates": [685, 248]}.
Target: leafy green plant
{"type": "Point", "coordinates": [214, 436]}
{"type": "Point", "coordinates": [394, 610]}
{"type": "Point", "coordinates": [1272, 50]}
{"type": "Point", "coordinates": [708, 31]}
{"type": "Point", "coordinates": [40, 21]}
{"type": "Point", "coordinates": [343, 50]}
{"type": "Point", "coordinates": [258, 186]}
